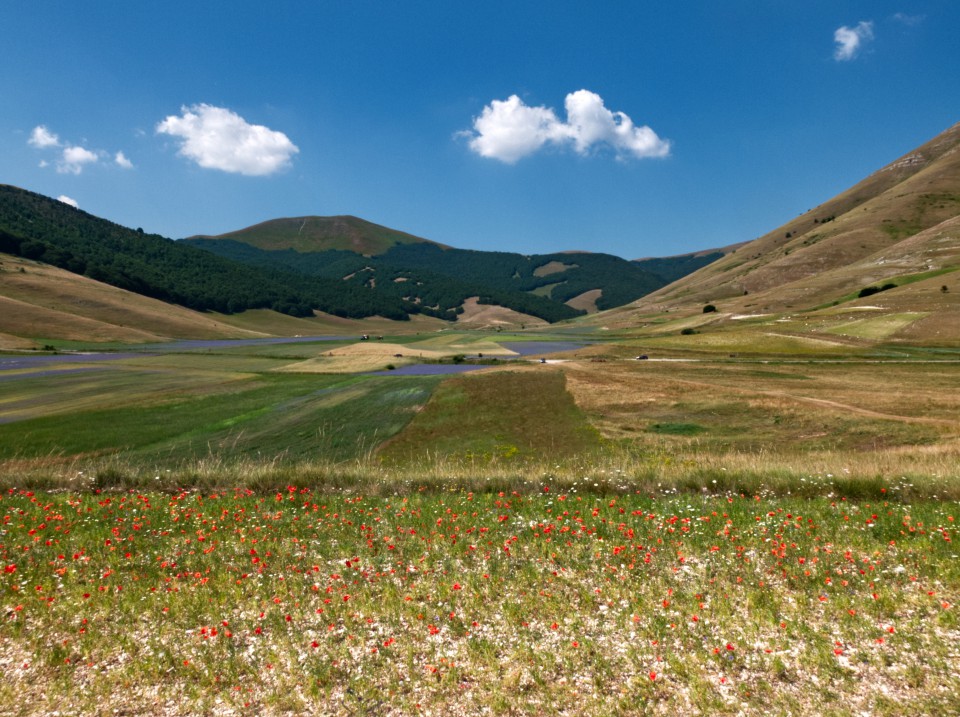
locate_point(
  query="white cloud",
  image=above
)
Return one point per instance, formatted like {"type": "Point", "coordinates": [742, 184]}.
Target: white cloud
{"type": "Point", "coordinates": [909, 20]}
{"type": "Point", "coordinates": [850, 40]}
{"type": "Point", "coordinates": [74, 159]}
{"type": "Point", "coordinates": [592, 123]}
{"type": "Point", "coordinates": [509, 130]}
{"type": "Point", "coordinates": [217, 138]}
{"type": "Point", "coordinates": [121, 160]}
{"type": "Point", "coordinates": [41, 138]}
{"type": "Point", "coordinates": [68, 200]}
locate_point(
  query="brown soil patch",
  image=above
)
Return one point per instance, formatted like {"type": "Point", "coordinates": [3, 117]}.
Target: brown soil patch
{"type": "Point", "coordinates": [478, 315]}
{"type": "Point", "coordinates": [587, 301]}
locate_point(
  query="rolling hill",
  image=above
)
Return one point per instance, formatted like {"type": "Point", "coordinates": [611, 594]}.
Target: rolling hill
{"type": "Point", "coordinates": [549, 286]}
{"type": "Point", "coordinates": [342, 266]}
{"type": "Point", "coordinates": [887, 247]}
{"type": "Point", "coordinates": [40, 301]}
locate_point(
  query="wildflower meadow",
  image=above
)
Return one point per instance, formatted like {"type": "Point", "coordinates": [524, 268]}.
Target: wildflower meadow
{"type": "Point", "coordinates": [549, 599]}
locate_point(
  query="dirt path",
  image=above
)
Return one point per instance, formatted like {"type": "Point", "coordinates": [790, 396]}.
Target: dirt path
{"type": "Point", "coordinates": [862, 411]}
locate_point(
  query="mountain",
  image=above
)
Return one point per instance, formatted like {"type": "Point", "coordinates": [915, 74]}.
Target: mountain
{"type": "Point", "coordinates": [399, 276]}
{"type": "Point", "coordinates": [43, 229]}
{"type": "Point", "coordinates": [317, 234]}
{"type": "Point", "coordinates": [550, 286]}
{"type": "Point", "coordinates": [890, 245]}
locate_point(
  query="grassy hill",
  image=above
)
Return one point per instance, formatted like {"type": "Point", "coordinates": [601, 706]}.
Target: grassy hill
{"type": "Point", "coordinates": [312, 234]}
{"type": "Point", "coordinates": [39, 301]}
{"type": "Point", "coordinates": [897, 230]}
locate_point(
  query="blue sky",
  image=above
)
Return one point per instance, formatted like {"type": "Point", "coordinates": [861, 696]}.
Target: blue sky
{"type": "Point", "coordinates": [637, 129]}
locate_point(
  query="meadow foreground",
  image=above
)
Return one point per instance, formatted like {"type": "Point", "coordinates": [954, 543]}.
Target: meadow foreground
{"type": "Point", "coordinates": [588, 596]}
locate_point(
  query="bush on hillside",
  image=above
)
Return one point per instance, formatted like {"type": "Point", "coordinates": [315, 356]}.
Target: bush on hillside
{"type": "Point", "coordinates": [871, 290]}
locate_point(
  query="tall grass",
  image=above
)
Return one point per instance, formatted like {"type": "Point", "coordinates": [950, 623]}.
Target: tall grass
{"type": "Point", "coordinates": [923, 472]}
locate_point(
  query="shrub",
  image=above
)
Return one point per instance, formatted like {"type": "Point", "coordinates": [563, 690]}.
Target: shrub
{"type": "Point", "coordinates": [709, 309]}
{"type": "Point", "coordinates": [688, 332]}
{"type": "Point", "coordinates": [871, 290]}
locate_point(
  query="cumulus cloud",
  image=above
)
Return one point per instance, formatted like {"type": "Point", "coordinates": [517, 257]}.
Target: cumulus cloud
{"type": "Point", "coordinates": [509, 130]}
{"type": "Point", "coordinates": [42, 138]}
{"type": "Point", "coordinates": [68, 200]}
{"type": "Point", "coordinates": [592, 123]}
{"type": "Point", "coordinates": [217, 138]}
{"type": "Point", "coordinates": [74, 159]}
{"type": "Point", "coordinates": [121, 160]}
{"type": "Point", "coordinates": [850, 40]}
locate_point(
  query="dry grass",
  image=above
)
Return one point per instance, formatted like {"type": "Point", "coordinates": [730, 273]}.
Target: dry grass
{"type": "Point", "coordinates": [49, 303]}
{"type": "Point", "coordinates": [476, 315]}
{"type": "Point", "coordinates": [750, 407]}
{"type": "Point", "coordinates": [586, 301]}
{"type": "Point", "coordinates": [9, 342]}
{"type": "Point", "coordinates": [899, 225]}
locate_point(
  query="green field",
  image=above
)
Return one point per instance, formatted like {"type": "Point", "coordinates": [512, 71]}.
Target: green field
{"type": "Point", "coordinates": [171, 415]}
{"type": "Point", "coordinates": [209, 532]}
{"type": "Point", "coordinates": [505, 415]}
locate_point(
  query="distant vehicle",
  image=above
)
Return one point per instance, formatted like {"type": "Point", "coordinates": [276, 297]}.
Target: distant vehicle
{"type": "Point", "coordinates": [642, 357]}
{"type": "Point", "coordinates": [543, 360]}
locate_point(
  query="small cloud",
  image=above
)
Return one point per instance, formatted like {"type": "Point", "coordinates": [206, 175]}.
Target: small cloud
{"type": "Point", "coordinates": [217, 138]}
{"type": "Point", "coordinates": [850, 40]}
{"type": "Point", "coordinates": [909, 20]}
{"type": "Point", "coordinates": [42, 138]}
{"type": "Point", "coordinates": [122, 161]}
{"type": "Point", "coordinates": [509, 130]}
{"type": "Point", "coordinates": [68, 200]}
{"type": "Point", "coordinates": [74, 159]}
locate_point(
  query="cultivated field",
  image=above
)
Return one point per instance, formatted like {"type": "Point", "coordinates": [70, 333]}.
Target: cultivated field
{"type": "Point", "coordinates": [233, 530]}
